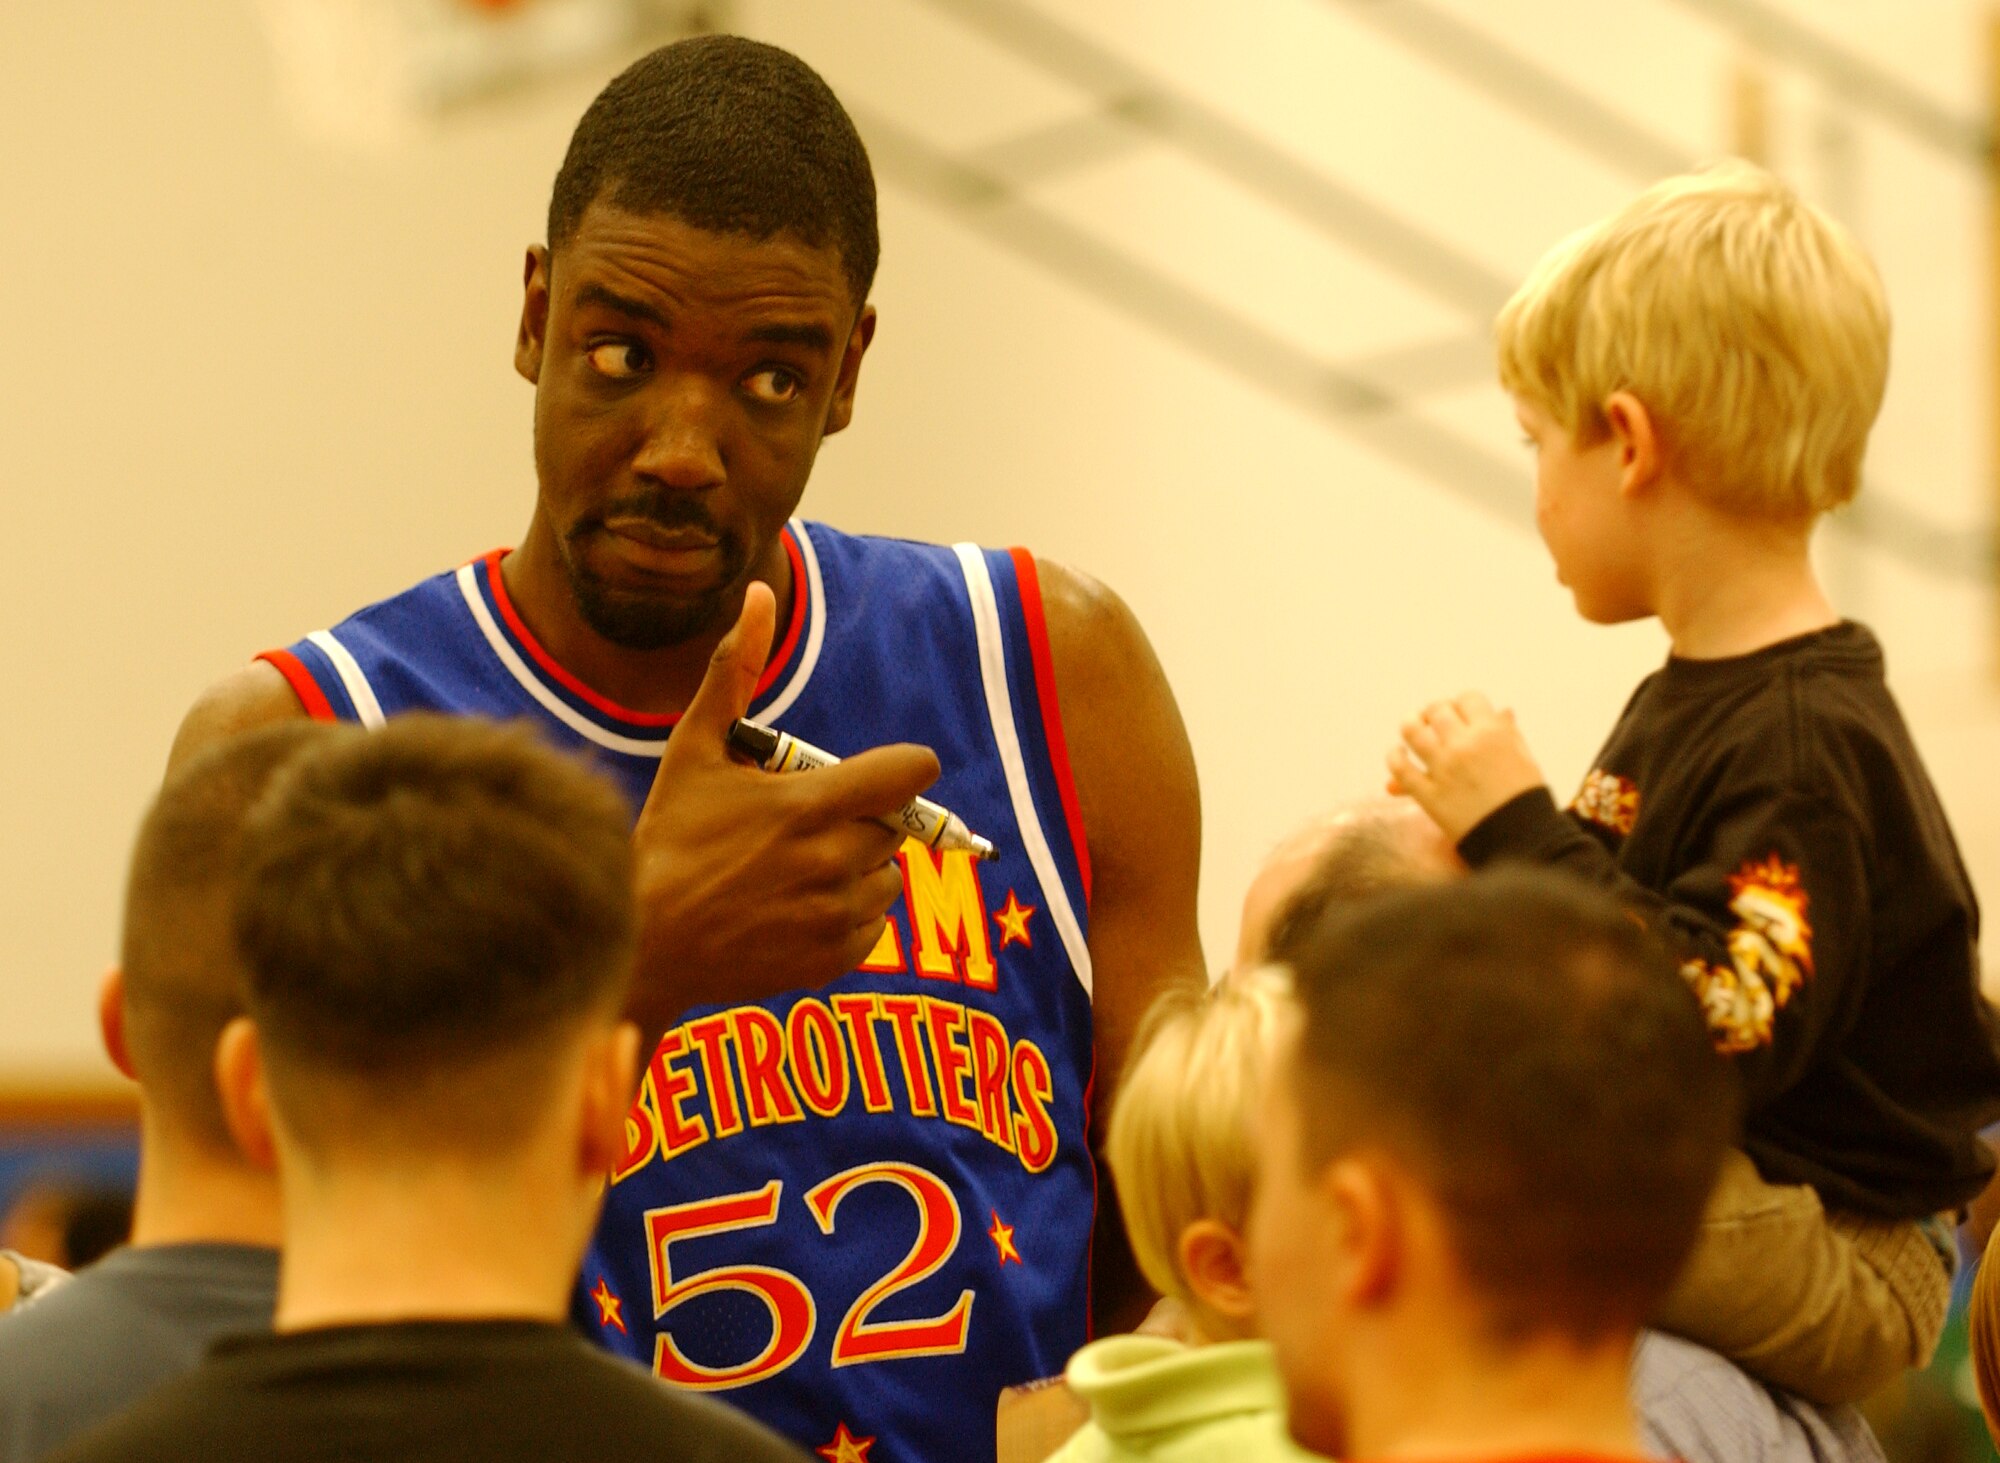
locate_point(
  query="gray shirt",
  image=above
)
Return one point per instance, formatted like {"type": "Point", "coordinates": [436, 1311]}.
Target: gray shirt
{"type": "Point", "coordinates": [135, 1319]}
{"type": "Point", "coordinates": [1694, 1406]}
{"type": "Point", "coordinates": [34, 1278]}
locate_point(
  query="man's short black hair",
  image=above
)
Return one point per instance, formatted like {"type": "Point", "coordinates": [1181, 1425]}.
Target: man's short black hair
{"type": "Point", "coordinates": [728, 135]}
{"type": "Point", "coordinates": [427, 909]}
{"type": "Point", "coordinates": [1535, 1058]}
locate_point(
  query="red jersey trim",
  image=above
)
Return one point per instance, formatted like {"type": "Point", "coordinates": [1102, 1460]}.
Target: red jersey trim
{"type": "Point", "coordinates": [801, 592]}
{"type": "Point", "coordinates": [497, 585]}
{"type": "Point", "coordinates": [1052, 726]}
{"type": "Point", "coordinates": [301, 681]}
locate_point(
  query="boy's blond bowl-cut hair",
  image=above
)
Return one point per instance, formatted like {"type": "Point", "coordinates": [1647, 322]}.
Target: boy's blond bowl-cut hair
{"type": "Point", "coordinates": [1751, 326]}
{"type": "Point", "coordinates": [1179, 1141]}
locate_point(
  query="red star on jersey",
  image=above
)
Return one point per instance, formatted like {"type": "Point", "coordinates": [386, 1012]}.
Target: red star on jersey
{"type": "Point", "coordinates": [1002, 1236]}
{"type": "Point", "coordinates": [1013, 922]}
{"type": "Point", "coordinates": [846, 1448]}
{"type": "Point", "coordinates": [609, 1306]}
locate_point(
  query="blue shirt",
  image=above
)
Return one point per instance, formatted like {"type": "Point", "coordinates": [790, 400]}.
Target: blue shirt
{"type": "Point", "coordinates": [1696, 1407]}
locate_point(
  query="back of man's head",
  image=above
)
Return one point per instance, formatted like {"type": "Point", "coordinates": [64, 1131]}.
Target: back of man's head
{"type": "Point", "coordinates": [1532, 1057]}
{"type": "Point", "coordinates": [1355, 852]}
{"type": "Point", "coordinates": [430, 914]}
{"type": "Point", "coordinates": [182, 980]}
{"type": "Point", "coordinates": [729, 135]}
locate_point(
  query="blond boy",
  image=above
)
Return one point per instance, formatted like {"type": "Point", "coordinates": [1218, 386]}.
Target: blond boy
{"type": "Point", "coordinates": [1180, 1147]}
{"type": "Point", "coordinates": [1698, 375]}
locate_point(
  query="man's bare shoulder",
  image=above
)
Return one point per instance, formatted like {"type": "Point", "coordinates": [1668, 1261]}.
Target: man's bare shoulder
{"type": "Point", "coordinates": [1081, 609]}
{"type": "Point", "coordinates": [1106, 671]}
{"type": "Point", "coordinates": [1099, 649]}
{"type": "Point", "coordinates": [1134, 770]}
{"type": "Point", "coordinates": [253, 695]}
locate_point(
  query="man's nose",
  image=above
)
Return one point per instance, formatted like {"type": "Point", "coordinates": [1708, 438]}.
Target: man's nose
{"type": "Point", "coordinates": [683, 442]}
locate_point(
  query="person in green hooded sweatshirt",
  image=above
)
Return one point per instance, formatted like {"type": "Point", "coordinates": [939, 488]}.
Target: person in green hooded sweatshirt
{"type": "Point", "coordinates": [1181, 1150]}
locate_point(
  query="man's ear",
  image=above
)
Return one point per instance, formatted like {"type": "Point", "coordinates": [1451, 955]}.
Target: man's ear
{"type": "Point", "coordinates": [840, 411]}
{"type": "Point", "coordinates": [246, 1099]}
{"type": "Point", "coordinates": [534, 314]}
{"type": "Point", "coordinates": [1368, 1232]}
{"type": "Point", "coordinates": [610, 1079]}
{"type": "Point", "coordinates": [1211, 1255]}
{"type": "Point", "coordinates": [1641, 454]}
{"type": "Point", "coordinates": [111, 1020]}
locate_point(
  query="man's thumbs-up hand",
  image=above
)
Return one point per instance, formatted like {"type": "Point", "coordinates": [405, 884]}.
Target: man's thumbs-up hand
{"type": "Point", "coordinates": [752, 883]}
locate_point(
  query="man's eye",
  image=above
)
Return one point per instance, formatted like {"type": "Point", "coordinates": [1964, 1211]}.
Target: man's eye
{"type": "Point", "coordinates": [774, 385]}
{"type": "Point", "coordinates": [619, 359]}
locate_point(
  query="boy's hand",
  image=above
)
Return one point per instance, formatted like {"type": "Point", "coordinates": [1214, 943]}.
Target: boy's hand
{"type": "Point", "coordinates": [1461, 760]}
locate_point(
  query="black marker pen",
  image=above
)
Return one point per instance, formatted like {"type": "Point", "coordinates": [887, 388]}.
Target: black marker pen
{"type": "Point", "coordinates": [931, 825]}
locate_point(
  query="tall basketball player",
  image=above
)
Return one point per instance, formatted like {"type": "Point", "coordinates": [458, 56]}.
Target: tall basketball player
{"type": "Point", "coordinates": [858, 1194]}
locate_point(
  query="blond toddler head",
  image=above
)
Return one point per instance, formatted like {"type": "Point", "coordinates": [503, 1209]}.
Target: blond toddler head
{"type": "Point", "coordinates": [1750, 325]}
{"type": "Point", "coordinates": [1180, 1141]}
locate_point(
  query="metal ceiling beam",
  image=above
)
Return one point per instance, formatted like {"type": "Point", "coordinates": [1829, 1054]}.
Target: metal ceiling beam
{"type": "Point", "coordinates": [1161, 110]}
{"type": "Point", "coordinates": [1366, 400]}
{"type": "Point", "coordinates": [1361, 408]}
{"type": "Point", "coordinates": [1043, 154]}
{"type": "Point", "coordinates": [1525, 87]}
{"type": "Point", "coordinates": [1856, 80]}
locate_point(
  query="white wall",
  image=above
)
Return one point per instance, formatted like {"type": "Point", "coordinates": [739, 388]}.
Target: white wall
{"type": "Point", "coordinates": [250, 382]}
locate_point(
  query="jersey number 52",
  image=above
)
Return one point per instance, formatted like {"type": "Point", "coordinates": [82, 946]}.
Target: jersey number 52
{"type": "Point", "coordinates": [794, 1316]}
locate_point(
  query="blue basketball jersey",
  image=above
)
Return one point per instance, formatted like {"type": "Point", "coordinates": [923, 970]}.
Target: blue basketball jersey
{"type": "Point", "coordinates": [857, 1212]}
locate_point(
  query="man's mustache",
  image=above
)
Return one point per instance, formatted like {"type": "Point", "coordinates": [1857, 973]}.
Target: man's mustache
{"type": "Point", "coordinates": [668, 511]}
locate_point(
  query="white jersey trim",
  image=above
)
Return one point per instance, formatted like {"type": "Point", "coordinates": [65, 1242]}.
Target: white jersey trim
{"type": "Point", "coordinates": [1000, 711]}
{"type": "Point", "coordinates": [561, 710]}
{"type": "Point", "coordinates": [816, 614]}
{"type": "Point", "coordinates": [352, 677]}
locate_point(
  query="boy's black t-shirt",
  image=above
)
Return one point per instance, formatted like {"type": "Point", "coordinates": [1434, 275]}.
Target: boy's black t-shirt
{"type": "Point", "coordinates": [423, 1392]}
{"type": "Point", "coordinates": [1768, 813]}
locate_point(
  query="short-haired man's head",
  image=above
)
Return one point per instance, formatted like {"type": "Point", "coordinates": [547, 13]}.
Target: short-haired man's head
{"type": "Point", "coordinates": [1364, 849]}
{"type": "Point", "coordinates": [1179, 1140]}
{"type": "Point", "coordinates": [728, 135]}
{"type": "Point", "coordinates": [1751, 326]}
{"type": "Point", "coordinates": [182, 979]}
{"type": "Point", "coordinates": [430, 915]}
{"type": "Point", "coordinates": [1533, 1058]}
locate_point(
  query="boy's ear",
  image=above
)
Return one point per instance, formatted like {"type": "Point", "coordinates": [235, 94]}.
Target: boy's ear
{"type": "Point", "coordinates": [1370, 1232]}
{"type": "Point", "coordinates": [1641, 454]}
{"type": "Point", "coordinates": [1211, 1255]}
{"type": "Point", "coordinates": [246, 1100]}
{"type": "Point", "coordinates": [111, 1021]}
{"type": "Point", "coordinates": [611, 1076]}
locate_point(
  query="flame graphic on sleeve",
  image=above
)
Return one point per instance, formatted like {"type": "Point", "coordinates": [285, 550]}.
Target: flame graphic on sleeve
{"type": "Point", "coordinates": [1770, 956]}
{"type": "Point", "coordinates": [1608, 800]}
